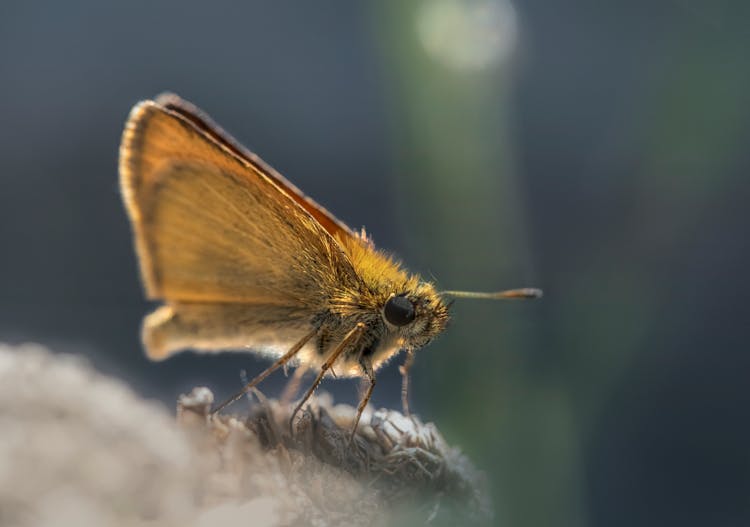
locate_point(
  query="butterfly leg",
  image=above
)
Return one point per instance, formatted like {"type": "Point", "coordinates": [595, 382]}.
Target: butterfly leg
{"type": "Point", "coordinates": [268, 371]}
{"type": "Point", "coordinates": [404, 369]}
{"type": "Point", "coordinates": [352, 337]}
{"type": "Point", "coordinates": [366, 365]}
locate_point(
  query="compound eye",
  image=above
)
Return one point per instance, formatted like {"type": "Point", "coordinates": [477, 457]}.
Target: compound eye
{"type": "Point", "coordinates": [399, 310]}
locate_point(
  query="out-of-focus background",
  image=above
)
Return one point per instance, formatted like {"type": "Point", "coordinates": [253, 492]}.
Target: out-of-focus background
{"type": "Point", "coordinates": [598, 150]}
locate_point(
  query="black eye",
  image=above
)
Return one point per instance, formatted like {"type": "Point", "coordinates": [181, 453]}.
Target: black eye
{"type": "Point", "coordinates": [399, 311]}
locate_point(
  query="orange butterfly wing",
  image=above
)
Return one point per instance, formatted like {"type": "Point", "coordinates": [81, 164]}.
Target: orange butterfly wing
{"type": "Point", "coordinates": [212, 223]}
{"type": "Point", "coordinates": [203, 122]}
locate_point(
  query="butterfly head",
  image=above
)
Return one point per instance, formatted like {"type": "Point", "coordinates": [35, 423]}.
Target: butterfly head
{"type": "Point", "coordinates": [415, 316]}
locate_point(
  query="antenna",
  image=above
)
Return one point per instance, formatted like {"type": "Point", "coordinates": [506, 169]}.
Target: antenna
{"type": "Point", "coordinates": [522, 293]}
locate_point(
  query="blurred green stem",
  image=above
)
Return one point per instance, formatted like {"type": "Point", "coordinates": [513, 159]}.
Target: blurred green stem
{"type": "Point", "coordinates": [460, 200]}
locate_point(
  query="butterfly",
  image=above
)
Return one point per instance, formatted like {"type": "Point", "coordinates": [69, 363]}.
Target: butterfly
{"type": "Point", "coordinates": [243, 260]}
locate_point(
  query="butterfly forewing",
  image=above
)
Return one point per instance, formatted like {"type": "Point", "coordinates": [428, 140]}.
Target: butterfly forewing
{"type": "Point", "coordinates": [211, 228]}
{"type": "Point", "coordinates": [205, 124]}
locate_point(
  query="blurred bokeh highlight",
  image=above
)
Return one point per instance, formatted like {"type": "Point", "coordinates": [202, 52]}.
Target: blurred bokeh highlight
{"type": "Point", "coordinates": [596, 150]}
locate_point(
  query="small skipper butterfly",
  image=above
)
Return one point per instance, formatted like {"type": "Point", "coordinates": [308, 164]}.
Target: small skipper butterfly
{"type": "Point", "coordinates": [242, 259]}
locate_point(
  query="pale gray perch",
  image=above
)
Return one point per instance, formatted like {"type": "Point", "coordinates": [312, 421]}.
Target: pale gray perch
{"type": "Point", "coordinates": [78, 448]}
